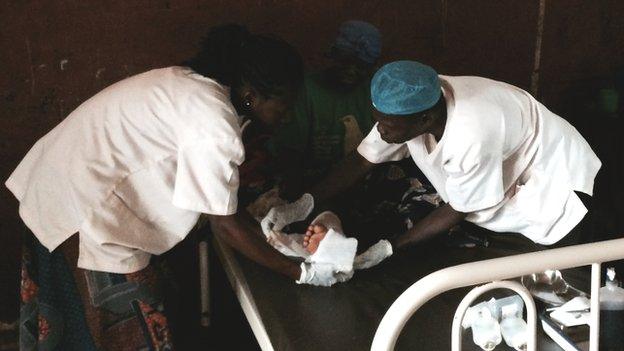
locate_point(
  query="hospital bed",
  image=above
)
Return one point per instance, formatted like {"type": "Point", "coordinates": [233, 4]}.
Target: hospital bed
{"type": "Point", "coordinates": [286, 316]}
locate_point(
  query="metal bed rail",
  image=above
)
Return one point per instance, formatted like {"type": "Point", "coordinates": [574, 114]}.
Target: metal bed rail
{"type": "Point", "coordinates": [496, 270]}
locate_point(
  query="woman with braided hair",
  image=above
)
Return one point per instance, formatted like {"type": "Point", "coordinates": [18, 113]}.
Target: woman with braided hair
{"type": "Point", "coordinates": [126, 176]}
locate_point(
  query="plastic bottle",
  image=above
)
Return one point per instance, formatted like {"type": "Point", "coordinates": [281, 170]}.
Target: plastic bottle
{"type": "Point", "coordinates": [494, 306]}
{"type": "Point", "coordinates": [513, 327]}
{"type": "Point", "coordinates": [611, 314]}
{"type": "Point", "coordinates": [485, 330]}
{"type": "Point", "coordinates": [472, 313]}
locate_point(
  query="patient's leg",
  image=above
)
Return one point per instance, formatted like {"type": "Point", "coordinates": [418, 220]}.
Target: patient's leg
{"type": "Point", "coordinates": [313, 237]}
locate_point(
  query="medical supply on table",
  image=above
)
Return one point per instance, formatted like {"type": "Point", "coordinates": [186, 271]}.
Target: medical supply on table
{"type": "Point", "coordinates": [495, 306]}
{"type": "Point", "coordinates": [495, 319]}
{"type": "Point", "coordinates": [513, 327]}
{"type": "Point", "coordinates": [611, 314]}
{"type": "Point", "coordinates": [576, 313]}
{"type": "Point", "coordinates": [473, 311]}
{"type": "Point", "coordinates": [550, 287]}
{"type": "Point", "coordinates": [486, 331]}
{"type": "Point", "coordinates": [572, 313]}
{"type": "Point", "coordinates": [611, 295]}
{"type": "Point", "coordinates": [568, 338]}
{"type": "Point", "coordinates": [568, 324]}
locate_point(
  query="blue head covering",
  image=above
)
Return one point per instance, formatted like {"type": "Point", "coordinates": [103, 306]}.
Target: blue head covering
{"type": "Point", "coordinates": [405, 88]}
{"type": "Point", "coordinates": [359, 38]}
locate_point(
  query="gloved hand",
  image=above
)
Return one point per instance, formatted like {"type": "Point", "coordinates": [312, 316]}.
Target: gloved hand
{"type": "Point", "coordinates": [321, 274]}
{"type": "Point", "coordinates": [281, 216]}
{"type": "Point", "coordinates": [344, 276]}
{"type": "Point", "coordinates": [374, 255]}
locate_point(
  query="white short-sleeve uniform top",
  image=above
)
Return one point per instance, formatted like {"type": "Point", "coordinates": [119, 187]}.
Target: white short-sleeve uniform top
{"type": "Point", "coordinates": [504, 158]}
{"type": "Point", "coordinates": [131, 169]}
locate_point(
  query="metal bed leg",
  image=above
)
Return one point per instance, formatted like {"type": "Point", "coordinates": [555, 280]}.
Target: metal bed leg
{"type": "Point", "coordinates": [204, 283]}
{"type": "Point", "coordinates": [594, 327]}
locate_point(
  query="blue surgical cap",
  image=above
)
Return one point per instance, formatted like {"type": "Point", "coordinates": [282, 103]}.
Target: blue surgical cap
{"type": "Point", "coordinates": [405, 88]}
{"type": "Point", "coordinates": [361, 39]}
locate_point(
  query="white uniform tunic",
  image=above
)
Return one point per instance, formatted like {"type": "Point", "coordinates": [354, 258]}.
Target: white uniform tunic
{"type": "Point", "coordinates": [504, 158]}
{"type": "Point", "coordinates": [131, 169]}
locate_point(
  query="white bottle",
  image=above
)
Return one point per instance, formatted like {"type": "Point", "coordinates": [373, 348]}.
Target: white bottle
{"type": "Point", "coordinates": [611, 314]}
{"type": "Point", "coordinates": [472, 313]}
{"type": "Point", "coordinates": [485, 330]}
{"type": "Point", "coordinates": [611, 295]}
{"type": "Point", "coordinates": [496, 306]}
{"type": "Point", "coordinates": [513, 327]}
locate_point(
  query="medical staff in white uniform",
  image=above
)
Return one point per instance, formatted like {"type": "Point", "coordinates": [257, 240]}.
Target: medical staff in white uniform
{"type": "Point", "coordinates": [497, 157]}
{"type": "Point", "coordinates": [132, 168]}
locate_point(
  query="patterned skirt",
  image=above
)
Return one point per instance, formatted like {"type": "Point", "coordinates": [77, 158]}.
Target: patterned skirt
{"type": "Point", "coordinates": [67, 308]}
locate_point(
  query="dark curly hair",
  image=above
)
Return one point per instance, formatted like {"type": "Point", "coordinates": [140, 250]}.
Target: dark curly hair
{"type": "Point", "coordinates": [231, 55]}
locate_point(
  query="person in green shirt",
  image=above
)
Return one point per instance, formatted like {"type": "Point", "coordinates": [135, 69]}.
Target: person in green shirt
{"type": "Point", "coordinates": [332, 113]}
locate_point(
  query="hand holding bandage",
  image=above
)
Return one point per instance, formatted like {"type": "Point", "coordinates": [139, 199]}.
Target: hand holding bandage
{"type": "Point", "coordinates": [334, 259]}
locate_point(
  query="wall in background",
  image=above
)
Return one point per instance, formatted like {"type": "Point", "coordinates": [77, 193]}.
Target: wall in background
{"type": "Point", "coordinates": [55, 54]}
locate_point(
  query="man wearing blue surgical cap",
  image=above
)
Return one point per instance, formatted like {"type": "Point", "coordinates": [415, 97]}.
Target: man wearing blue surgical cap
{"type": "Point", "coordinates": [333, 112]}
{"type": "Point", "coordinates": [497, 157]}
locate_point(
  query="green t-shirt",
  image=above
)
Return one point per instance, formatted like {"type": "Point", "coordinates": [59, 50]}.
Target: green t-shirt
{"type": "Point", "coordinates": [326, 124]}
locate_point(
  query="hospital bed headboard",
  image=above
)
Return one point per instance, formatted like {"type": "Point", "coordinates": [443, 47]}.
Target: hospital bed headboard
{"type": "Point", "coordinates": [496, 270]}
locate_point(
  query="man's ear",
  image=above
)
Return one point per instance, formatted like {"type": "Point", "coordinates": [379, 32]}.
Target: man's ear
{"type": "Point", "coordinates": [249, 96]}
{"type": "Point", "coordinates": [427, 120]}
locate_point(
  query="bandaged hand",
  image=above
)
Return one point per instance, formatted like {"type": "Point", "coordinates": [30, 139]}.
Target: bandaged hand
{"type": "Point", "coordinates": [321, 274]}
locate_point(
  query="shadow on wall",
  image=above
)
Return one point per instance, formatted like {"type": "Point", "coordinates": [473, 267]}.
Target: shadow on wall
{"type": "Point", "coordinates": [594, 106]}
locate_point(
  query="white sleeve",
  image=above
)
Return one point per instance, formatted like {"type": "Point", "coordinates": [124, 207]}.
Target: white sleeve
{"type": "Point", "coordinates": [475, 176]}
{"type": "Point", "coordinates": [207, 176]}
{"type": "Point", "coordinates": [376, 150]}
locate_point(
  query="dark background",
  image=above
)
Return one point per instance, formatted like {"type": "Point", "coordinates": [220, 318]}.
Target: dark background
{"type": "Point", "coordinates": [56, 54]}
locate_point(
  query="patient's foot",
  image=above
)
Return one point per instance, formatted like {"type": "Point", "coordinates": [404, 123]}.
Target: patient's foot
{"type": "Point", "coordinates": [313, 237]}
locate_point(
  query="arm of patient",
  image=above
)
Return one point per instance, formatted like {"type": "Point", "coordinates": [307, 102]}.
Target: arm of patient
{"type": "Point", "coordinates": [437, 222]}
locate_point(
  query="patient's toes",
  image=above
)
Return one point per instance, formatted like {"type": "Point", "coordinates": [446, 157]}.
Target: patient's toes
{"type": "Point", "coordinates": [314, 241]}
{"type": "Point", "coordinates": [310, 230]}
{"type": "Point", "coordinates": [319, 229]}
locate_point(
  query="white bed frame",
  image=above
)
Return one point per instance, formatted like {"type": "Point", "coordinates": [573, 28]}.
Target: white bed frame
{"type": "Point", "coordinates": [495, 271]}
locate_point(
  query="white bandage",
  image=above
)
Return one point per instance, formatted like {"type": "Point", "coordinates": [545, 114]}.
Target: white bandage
{"type": "Point", "coordinates": [263, 204]}
{"type": "Point", "coordinates": [374, 255]}
{"type": "Point", "coordinates": [318, 274]}
{"type": "Point", "coordinates": [283, 215]}
{"type": "Point", "coordinates": [334, 260]}
{"type": "Point", "coordinates": [337, 250]}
